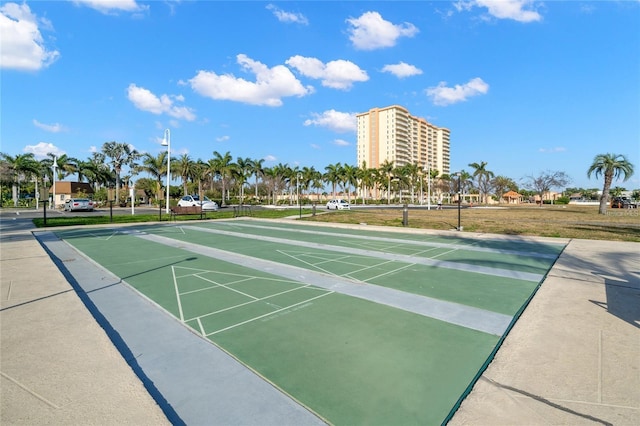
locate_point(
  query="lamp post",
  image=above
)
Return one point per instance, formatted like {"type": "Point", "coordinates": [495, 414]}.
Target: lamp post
{"type": "Point", "coordinates": [428, 186]}
{"type": "Point", "coordinates": [166, 141]}
{"type": "Point", "coordinates": [459, 200]}
{"type": "Point", "coordinates": [298, 177]}
{"type": "Point", "coordinates": [54, 167]}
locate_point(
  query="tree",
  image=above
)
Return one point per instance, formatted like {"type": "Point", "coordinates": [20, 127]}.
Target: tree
{"type": "Point", "coordinates": [386, 171]}
{"type": "Point", "coordinates": [503, 184]}
{"type": "Point", "coordinates": [185, 167]}
{"type": "Point", "coordinates": [333, 175]}
{"type": "Point", "coordinates": [611, 166]}
{"type": "Point", "coordinates": [224, 169]}
{"type": "Point", "coordinates": [156, 166]}
{"type": "Point", "coordinates": [545, 181]}
{"type": "Point", "coordinates": [22, 167]}
{"type": "Point", "coordinates": [243, 170]}
{"type": "Point", "coordinates": [257, 171]}
{"type": "Point", "coordinates": [483, 177]}
{"type": "Point", "coordinates": [121, 154]}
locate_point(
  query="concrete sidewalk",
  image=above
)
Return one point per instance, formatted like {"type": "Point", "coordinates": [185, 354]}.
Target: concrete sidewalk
{"type": "Point", "coordinates": [572, 358]}
{"type": "Point", "coordinates": [57, 365]}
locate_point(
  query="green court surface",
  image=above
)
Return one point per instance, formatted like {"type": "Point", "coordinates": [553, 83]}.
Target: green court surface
{"type": "Point", "coordinates": [351, 360]}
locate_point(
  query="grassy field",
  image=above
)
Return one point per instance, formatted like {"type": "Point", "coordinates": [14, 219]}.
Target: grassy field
{"type": "Point", "coordinates": [562, 221]}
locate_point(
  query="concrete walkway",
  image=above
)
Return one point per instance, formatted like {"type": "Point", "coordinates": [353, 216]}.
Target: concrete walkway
{"type": "Point", "coordinates": [57, 365]}
{"type": "Point", "coordinates": [572, 358]}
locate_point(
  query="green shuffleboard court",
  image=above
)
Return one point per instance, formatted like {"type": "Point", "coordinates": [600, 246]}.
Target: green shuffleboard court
{"type": "Point", "coordinates": [360, 326]}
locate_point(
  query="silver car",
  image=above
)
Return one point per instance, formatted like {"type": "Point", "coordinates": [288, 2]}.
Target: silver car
{"type": "Point", "coordinates": [194, 200]}
{"type": "Point", "coordinates": [338, 205]}
{"type": "Point", "coordinates": [77, 204]}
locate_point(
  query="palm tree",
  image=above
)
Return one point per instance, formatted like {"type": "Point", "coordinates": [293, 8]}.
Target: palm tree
{"type": "Point", "coordinates": [185, 167]}
{"type": "Point", "coordinates": [333, 175]}
{"type": "Point", "coordinates": [386, 170]}
{"type": "Point", "coordinates": [224, 169]}
{"type": "Point", "coordinates": [349, 179]}
{"type": "Point", "coordinates": [22, 166]}
{"type": "Point", "coordinates": [610, 166]}
{"type": "Point", "coordinates": [243, 170]}
{"type": "Point", "coordinates": [156, 167]}
{"type": "Point", "coordinates": [121, 154]}
{"type": "Point", "coordinates": [483, 177]}
{"type": "Point", "coordinates": [258, 172]}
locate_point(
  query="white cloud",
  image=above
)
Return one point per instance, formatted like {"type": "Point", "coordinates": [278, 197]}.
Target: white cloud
{"type": "Point", "coordinates": [402, 70]}
{"type": "Point", "coordinates": [41, 150]}
{"type": "Point", "coordinates": [341, 142]}
{"type": "Point", "coordinates": [23, 46]}
{"type": "Point", "coordinates": [339, 74]}
{"type": "Point", "coordinates": [222, 138]}
{"type": "Point", "coordinates": [443, 95]}
{"type": "Point", "coordinates": [340, 122]}
{"type": "Point", "coordinates": [287, 17]}
{"type": "Point", "coordinates": [370, 31]}
{"type": "Point", "coordinates": [270, 158]}
{"type": "Point", "coordinates": [145, 100]}
{"type": "Point", "coordinates": [53, 128]}
{"type": "Point", "coordinates": [314, 146]}
{"type": "Point", "coordinates": [271, 85]}
{"type": "Point", "coordinates": [518, 10]}
{"type": "Point", "coordinates": [109, 6]}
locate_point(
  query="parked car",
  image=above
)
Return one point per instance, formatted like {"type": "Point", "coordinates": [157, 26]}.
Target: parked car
{"type": "Point", "coordinates": [338, 205]}
{"type": "Point", "coordinates": [623, 203]}
{"type": "Point", "coordinates": [77, 204]}
{"type": "Point", "coordinates": [194, 200]}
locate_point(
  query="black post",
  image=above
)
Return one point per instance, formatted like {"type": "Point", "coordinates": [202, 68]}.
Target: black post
{"type": "Point", "coordinates": [405, 215]}
{"type": "Point", "coordinates": [110, 211]}
{"type": "Point", "coordinates": [300, 204]}
{"type": "Point", "coordinates": [459, 202]}
{"type": "Point", "coordinates": [159, 212]}
{"type": "Point", "coordinates": [313, 209]}
{"type": "Point", "coordinates": [44, 209]}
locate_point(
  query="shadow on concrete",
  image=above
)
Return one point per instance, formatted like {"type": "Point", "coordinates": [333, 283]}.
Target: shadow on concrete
{"type": "Point", "coordinates": [118, 342]}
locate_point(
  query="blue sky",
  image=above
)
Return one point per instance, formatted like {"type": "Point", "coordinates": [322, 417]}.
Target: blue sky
{"type": "Point", "coordinates": [526, 86]}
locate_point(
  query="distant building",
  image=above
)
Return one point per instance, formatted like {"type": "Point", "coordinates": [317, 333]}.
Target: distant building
{"type": "Point", "coordinates": [392, 134]}
{"type": "Point", "coordinates": [65, 190]}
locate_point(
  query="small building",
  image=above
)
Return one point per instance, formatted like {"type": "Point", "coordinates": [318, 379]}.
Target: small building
{"type": "Point", "coordinates": [65, 190]}
{"type": "Point", "coordinates": [512, 197]}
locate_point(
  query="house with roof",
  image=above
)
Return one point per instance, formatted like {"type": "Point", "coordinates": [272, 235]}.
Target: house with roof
{"type": "Point", "coordinates": [63, 190]}
{"type": "Point", "coordinates": [512, 197]}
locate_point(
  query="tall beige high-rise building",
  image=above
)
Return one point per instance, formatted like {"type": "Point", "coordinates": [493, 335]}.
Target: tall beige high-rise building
{"type": "Point", "coordinates": [392, 134]}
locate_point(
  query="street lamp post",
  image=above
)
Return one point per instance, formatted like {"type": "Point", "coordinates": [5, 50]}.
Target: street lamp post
{"type": "Point", "coordinates": [428, 186]}
{"type": "Point", "coordinates": [166, 141]}
{"type": "Point", "coordinates": [459, 200]}
{"type": "Point", "coordinates": [54, 167]}
{"type": "Point", "coordinates": [298, 177]}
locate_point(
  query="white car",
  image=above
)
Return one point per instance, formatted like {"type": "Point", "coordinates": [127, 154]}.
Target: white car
{"type": "Point", "coordinates": [76, 204]}
{"type": "Point", "coordinates": [338, 205]}
{"type": "Point", "coordinates": [194, 200]}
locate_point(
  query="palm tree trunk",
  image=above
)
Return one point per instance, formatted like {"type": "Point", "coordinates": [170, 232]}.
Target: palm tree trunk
{"type": "Point", "coordinates": [608, 179]}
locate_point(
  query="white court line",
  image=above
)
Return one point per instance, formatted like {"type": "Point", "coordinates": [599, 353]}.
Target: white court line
{"type": "Point", "coordinates": [248, 303]}
{"type": "Point", "coordinates": [443, 253]}
{"type": "Point", "coordinates": [233, 274]}
{"type": "Point", "coordinates": [266, 315]}
{"type": "Point", "coordinates": [231, 289]}
{"type": "Point", "coordinates": [308, 263]}
{"type": "Point", "coordinates": [366, 268]}
{"type": "Point", "coordinates": [175, 285]}
{"type": "Point", "coordinates": [390, 272]}
{"type": "Point", "coordinates": [200, 326]}
{"type": "Point", "coordinates": [217, 284]}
